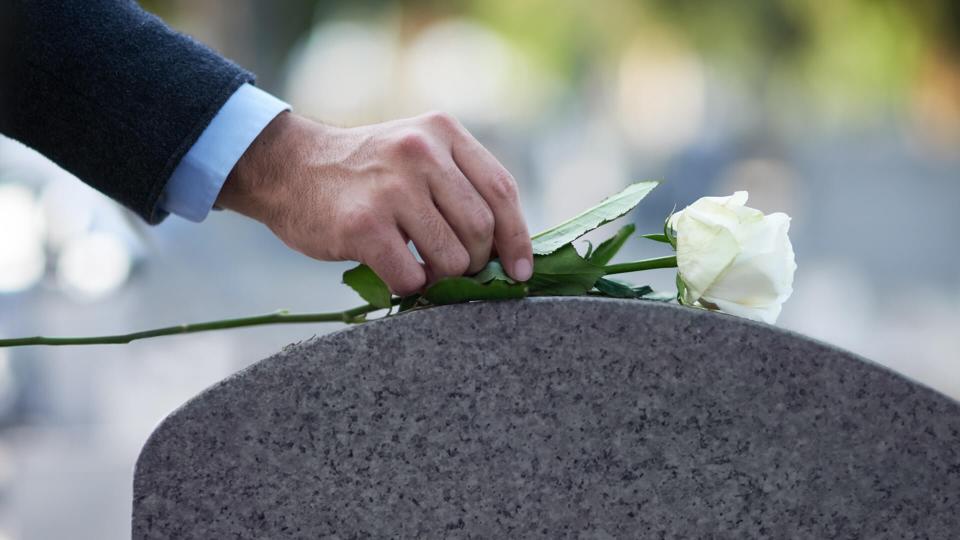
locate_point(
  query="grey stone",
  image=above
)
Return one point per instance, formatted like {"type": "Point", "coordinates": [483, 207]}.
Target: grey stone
{"type": "Point", "coordinates": [556, 418]}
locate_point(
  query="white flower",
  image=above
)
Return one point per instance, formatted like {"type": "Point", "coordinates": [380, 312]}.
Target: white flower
{"type": "Point", "coordinates": [733, 257]}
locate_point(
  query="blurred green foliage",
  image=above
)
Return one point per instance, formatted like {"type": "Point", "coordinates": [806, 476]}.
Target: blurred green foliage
{"type": "Point", "coordinates": [848, 53]}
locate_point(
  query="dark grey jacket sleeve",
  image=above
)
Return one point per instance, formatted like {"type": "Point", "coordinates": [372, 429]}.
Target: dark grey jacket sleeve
{"type": "Point", "coordinates": [108, 92]}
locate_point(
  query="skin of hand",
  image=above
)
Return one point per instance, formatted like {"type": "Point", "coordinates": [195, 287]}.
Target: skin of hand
{"type": "Point", "coordinates": [361, 193]}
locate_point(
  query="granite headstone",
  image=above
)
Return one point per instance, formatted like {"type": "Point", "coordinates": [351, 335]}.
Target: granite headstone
{"type": "Point", "coordinates": [556, 418]}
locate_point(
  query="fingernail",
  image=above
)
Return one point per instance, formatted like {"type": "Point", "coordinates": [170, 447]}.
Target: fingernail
{"type": "Point", "coordinates": [522, 270]}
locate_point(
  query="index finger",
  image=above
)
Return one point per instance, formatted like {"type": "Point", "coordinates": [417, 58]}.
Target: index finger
{"type": "Point", "coordinates": [499, 189]}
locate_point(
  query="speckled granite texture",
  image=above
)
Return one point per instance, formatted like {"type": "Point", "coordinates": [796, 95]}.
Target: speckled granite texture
{"type": "Point", "coordinates": [556, 418]}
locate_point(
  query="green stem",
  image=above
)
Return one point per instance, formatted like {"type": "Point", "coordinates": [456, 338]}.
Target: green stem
{"type": "Point", "coordinates": [349, 316]}
{"type": "Point", "coordinates": [646, 264]}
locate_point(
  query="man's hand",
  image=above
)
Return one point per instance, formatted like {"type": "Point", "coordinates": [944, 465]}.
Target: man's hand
{"type": "Point", "coordinates": [361, 193]}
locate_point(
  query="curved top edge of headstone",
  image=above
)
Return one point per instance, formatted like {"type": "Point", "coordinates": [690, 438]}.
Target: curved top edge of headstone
{"type": "Point", "coordinates": [718, 412]}
{"type": "Point", "coordinates": [437, 315]}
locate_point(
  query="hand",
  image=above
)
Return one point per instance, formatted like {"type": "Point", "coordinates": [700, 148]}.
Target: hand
{"type": "Point", "coordinates": [361, 193]}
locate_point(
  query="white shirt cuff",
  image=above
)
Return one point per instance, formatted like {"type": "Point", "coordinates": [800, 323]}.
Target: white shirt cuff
{"type": "Point", "coordinates": [196, 182]}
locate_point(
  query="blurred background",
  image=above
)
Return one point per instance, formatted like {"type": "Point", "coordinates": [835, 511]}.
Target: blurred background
{"type": "Point", "coordinates": [845, 114]}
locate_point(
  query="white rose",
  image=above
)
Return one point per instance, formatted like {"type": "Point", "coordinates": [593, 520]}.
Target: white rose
{"type": "Point", "coordinates": [733, 257]}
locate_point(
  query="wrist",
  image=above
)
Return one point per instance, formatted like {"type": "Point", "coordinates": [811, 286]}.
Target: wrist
{"type": "Point", "coordinates": [253, 185]}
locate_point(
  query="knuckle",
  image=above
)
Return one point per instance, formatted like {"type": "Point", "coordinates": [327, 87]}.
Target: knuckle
{"type": "Point", "coordinates": [482, 224]}
{"type": "Point", "coordinates": [460, 262]}
{"type": "Point", "coordinates": [402, 278]}
{"type": "Point", "coordinates": [408, 282]}
{"type": "Point", "coordinates": [444, 252]}
{"type": "Point", "coordinates": [390, 190]}
{"type": "Point", "coordinates": [442, 121]}
{"type": "Point", "coordinates": [401, 187]}
{"type": "Point", "coordinates": [519, 242]}
{"type": "Point", "coordinates": [513, 242]}
{"type": "Point", "coordinates": [413, 145]}
{"type": "Point", "coordinates": [504, 186]}
{"type": "Point", "coordinates": [454, 262]}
